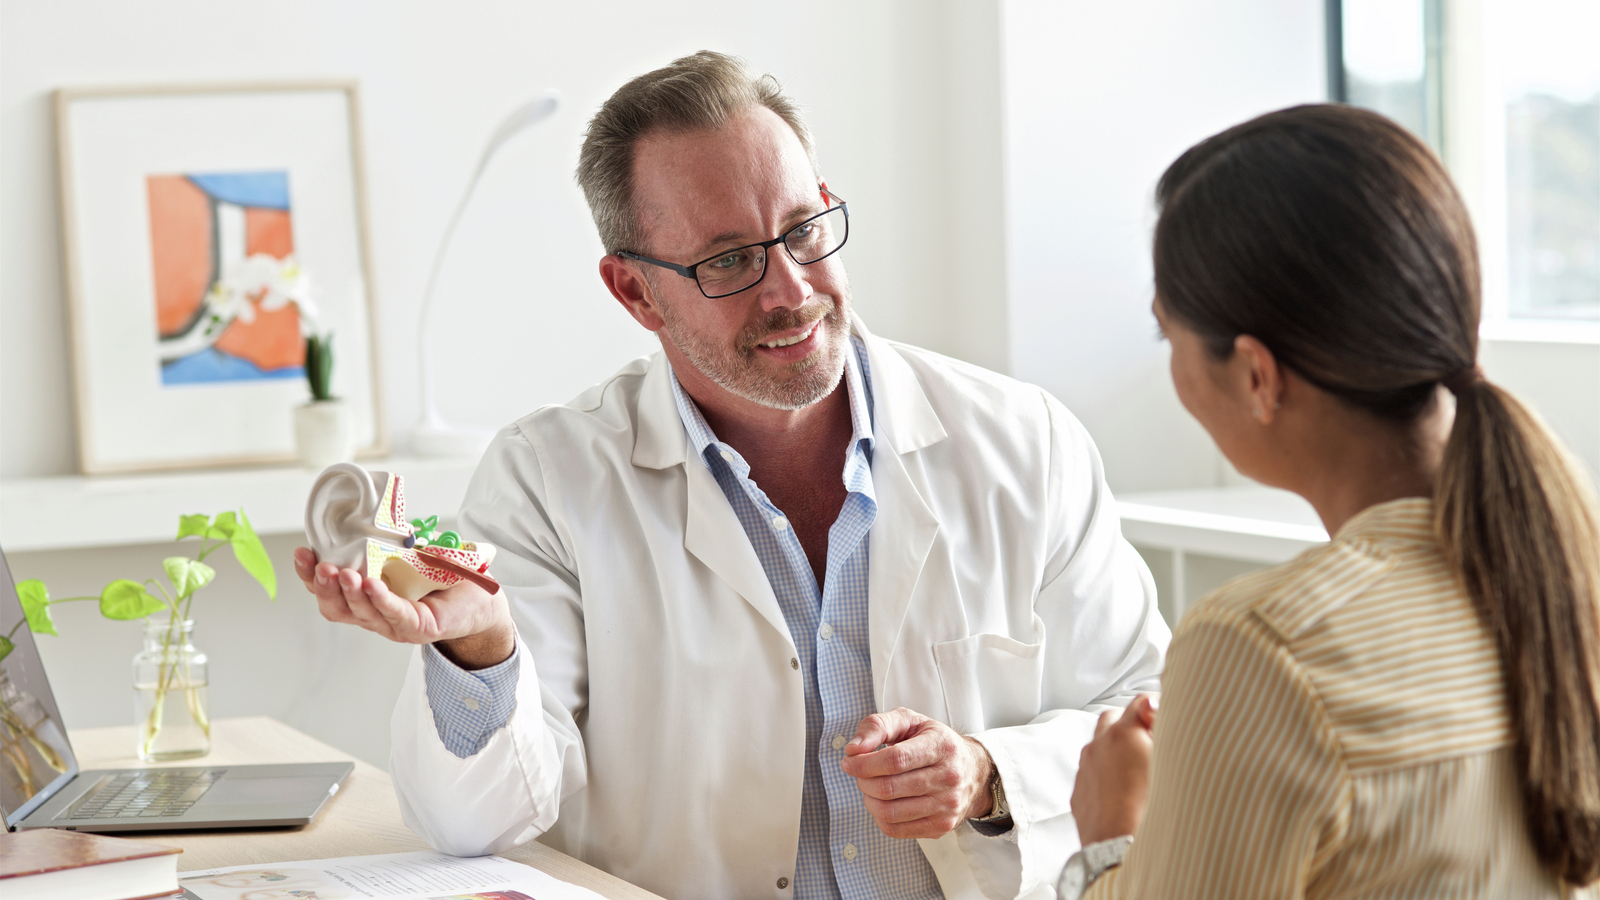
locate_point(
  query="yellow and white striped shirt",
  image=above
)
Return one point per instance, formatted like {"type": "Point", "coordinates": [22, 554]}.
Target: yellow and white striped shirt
{"type": "Point", "coordinates": [1336, 727]}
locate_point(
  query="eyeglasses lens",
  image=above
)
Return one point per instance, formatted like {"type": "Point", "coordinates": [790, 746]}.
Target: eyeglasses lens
{"type": "Point", "coordinates": [817, 237]}
{"type": "Point", "coordinates": [732, 272]}
{"type": "Point", "coordinates": [738, 269]}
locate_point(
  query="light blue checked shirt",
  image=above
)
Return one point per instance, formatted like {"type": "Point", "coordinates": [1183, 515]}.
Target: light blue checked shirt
{"type": "Point", "coordinates": [842, 854]}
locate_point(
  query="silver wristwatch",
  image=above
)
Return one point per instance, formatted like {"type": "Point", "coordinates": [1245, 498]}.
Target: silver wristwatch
{"type": "Point", "coordinates": [1090, 863]}
{"type": "Point", "coordinates": [998, 821]}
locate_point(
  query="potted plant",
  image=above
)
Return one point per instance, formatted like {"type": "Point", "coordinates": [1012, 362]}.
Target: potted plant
{"type": "Point", "coordinates": [322, 428]}
{"type": "Point", "coordinates": [169, 667]}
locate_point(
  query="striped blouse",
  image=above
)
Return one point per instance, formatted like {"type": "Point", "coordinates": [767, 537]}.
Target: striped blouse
{"type": "Point", "coordinates": [1336, 727]}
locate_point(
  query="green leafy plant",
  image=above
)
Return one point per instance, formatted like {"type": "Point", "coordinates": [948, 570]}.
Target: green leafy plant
{"type": "Point", "coordinates": [125, 599]}
{"type": "Point", "coordinates": [319, 365]}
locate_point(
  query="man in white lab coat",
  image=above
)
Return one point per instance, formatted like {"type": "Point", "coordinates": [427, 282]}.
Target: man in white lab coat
{"type": "Point", "coordinates": [788, 610]}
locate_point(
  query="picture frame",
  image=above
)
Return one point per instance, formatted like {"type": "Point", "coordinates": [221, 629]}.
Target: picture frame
{"type": "Point", "coordinates": [206, 229]}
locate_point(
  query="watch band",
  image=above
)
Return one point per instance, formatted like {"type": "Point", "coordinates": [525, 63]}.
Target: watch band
{"type": "Point", "coordinates": [1090, 863]}
{"type": "Point", "coordinates": [998, 821]}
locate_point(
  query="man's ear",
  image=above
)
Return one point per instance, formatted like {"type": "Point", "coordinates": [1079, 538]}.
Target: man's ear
{"type": "Point", "coordinates": [628, 285]}
{"type": "Point", "coordinates": [1260, 376]}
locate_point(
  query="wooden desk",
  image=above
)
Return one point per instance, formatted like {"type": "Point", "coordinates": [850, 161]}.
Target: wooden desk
{"type": "Point", "coordinates": [362, 819]}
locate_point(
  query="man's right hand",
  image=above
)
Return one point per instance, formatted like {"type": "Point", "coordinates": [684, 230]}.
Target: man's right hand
{"type": "Point", "coordinates": [469, 625]}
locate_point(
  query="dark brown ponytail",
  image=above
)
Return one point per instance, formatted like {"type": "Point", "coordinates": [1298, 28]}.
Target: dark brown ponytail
{"type": "Point", "coordinates": [1511, 514]}
{"type": "Point", "coordinates": [1335, 237]}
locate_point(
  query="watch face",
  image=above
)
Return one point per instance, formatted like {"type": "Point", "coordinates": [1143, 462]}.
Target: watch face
{"type": "Point", "coordinates": [1072, 879]}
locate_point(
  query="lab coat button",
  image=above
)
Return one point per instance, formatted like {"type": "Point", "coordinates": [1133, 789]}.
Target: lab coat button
{"type": "Point", "coordinates": [826, 630]}
{"type": "Point", "coordinates": [469, 703]}
{"type": "Point", "coordinates": [849, 851]}
{"type": "Point", "coordinates": [779, 523]}
{"type": "Point", "coordinates": [783, 883]}
{"type": "Point", "coordinates": [838, 741]}
{"type": "Point", "coordinates": [794, 663]}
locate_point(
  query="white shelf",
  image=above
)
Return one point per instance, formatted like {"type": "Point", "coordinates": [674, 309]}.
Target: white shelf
{"type": "Point", "coordinates": [1254, 524]}
{"type": "Point", "coordinates": [98, 511]}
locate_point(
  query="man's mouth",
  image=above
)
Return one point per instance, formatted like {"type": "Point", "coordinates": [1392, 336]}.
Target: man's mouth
{"type": "Point", "coordinates": [793, 339]}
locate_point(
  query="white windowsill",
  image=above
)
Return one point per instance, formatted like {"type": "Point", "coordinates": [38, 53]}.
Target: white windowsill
{"type": "Point", "coordinates": [1542, 331]}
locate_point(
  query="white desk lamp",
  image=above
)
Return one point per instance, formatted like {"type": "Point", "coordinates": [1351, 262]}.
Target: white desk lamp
{"type": "Point", "coordinates": [433, 436]}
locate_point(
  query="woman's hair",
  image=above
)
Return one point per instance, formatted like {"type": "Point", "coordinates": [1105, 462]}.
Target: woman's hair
{"type": "Point", "coordinates": [1335, 238]}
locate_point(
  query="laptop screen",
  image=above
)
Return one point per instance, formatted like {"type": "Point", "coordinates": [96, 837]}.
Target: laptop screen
{"type": "Point", "coordinates": [35, 758]}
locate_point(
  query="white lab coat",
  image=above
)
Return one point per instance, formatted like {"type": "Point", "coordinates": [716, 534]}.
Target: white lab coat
{"type": "Point", "coordinates": [660, 723]}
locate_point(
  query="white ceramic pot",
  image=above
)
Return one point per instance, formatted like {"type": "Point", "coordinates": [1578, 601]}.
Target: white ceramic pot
{"type": "Point", "coordinates": [324, 434]}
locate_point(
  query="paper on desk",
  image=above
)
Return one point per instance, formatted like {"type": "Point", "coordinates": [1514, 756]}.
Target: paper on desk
{"type": "Point", "coordinates": [395, 876]}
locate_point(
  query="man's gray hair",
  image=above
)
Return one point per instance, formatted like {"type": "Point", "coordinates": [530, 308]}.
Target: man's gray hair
{"type": "Point", "coordinates": [694, 93]}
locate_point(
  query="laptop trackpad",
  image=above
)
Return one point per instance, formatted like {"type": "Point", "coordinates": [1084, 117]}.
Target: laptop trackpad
{"type": "Point", "coordinates": [234, 791]}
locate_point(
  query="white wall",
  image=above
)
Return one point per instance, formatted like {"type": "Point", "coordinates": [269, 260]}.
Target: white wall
{"type": "Point", "coordinates": [1100, 98]}
{"type": "Point", "coordinates": [900, 94]}
{"type": "Point", "coordinates": [894, 111]}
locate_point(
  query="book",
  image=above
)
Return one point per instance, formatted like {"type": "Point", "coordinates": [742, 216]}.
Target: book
{"type": "Point", "coordinates": [48, 864]}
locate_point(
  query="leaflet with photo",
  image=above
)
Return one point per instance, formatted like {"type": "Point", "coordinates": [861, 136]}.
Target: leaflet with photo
{"type": "Point", "coordinates": [395, 876]}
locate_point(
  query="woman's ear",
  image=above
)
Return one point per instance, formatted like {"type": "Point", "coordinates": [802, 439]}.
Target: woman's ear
{"type": "Point", "coordinates": [1260, 376]}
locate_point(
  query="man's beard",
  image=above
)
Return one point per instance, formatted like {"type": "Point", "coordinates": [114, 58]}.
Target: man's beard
{"type": "Point", "coordinates": [739, 371]}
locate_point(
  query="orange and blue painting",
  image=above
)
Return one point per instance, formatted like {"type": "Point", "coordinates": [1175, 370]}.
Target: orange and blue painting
{"type": "Point", "coordinates": [227, 307]}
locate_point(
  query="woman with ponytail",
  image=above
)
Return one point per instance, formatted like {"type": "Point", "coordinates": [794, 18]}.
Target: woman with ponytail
{"type": "Point", "coordinates": [1413, 709]}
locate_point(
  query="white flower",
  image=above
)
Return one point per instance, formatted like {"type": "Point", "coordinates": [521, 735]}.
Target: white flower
{"type": "Point", "coordinates": [274, 283]}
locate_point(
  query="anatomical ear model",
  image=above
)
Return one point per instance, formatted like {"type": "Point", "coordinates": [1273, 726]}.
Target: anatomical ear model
{"type": "Point", "coordinates": [356, 519]}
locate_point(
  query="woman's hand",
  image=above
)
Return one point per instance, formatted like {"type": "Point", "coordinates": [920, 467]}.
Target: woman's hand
{"type": "Point", "coordinates": [1113, 783]}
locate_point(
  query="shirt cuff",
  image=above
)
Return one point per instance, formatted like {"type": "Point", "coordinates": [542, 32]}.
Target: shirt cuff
{"type": "Point", "coordinates": [469, 707]}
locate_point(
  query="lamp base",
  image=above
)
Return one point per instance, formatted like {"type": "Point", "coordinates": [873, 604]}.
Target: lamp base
{"type": "Point", "coordinates": [447, 440]}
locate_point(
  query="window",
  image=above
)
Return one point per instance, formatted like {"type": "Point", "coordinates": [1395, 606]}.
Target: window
{"type": "Point", "coordinates": [1508, 93]}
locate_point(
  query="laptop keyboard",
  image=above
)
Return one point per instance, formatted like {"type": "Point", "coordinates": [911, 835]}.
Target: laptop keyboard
{"type": "Point", "coordinates": [143, 795]}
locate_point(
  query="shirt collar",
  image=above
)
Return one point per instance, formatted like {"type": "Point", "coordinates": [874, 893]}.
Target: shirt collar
{"type": "Point", "coordinates": [858, 386]}
{"type": "Point", "coordinates": [1409, 519]}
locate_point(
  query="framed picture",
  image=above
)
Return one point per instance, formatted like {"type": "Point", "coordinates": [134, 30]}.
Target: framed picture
{"type": "Point", "coordinates": [207, 230]}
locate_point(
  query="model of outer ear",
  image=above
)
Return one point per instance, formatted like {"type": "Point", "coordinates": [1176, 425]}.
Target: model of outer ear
{"type": "Point", "coordinates": [356, 519]}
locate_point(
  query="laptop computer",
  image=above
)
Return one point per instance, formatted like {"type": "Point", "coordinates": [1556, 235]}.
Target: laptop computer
{"type": "Point", "coordinates": [41, 785]}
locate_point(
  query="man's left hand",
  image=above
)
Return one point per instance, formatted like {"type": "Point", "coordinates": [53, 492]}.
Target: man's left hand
{"type": "Point", "coordinates": [925, 781]}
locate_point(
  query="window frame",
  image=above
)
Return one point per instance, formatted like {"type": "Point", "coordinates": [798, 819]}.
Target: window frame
{"type": "Point", "coordinates": [1466, 125]}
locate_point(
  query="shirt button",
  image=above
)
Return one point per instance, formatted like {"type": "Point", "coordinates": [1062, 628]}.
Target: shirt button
{"type": "Point", "coordinates": [794, 663]}
{"type": "Point", "coordinates": [826, 631]}
{"type": "Point", "coordinates": [783, 883]}
{"type": "Point", "coordinates": [469, 703]}
{"type": "Point", "coordinates": [849, 851]}
{"type": "Point", "coordinates": [838, 741]}
{"type": "Point", "coordinates": [726, 456]}
{"type": "Point", "coordinates": [779, 523]}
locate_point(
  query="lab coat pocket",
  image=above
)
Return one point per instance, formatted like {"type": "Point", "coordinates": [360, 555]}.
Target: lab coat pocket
{"type": "Point", "coordinates": [989, 681]}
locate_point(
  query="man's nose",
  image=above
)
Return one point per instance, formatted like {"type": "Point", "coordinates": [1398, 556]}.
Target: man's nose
{"type": "Point", "coordinates": [786, 283]}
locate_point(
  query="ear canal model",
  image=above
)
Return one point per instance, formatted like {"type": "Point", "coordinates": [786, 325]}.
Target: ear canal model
{"type": "Point", "coordinates": [342, 513]}
{"type": "Point", "coordinates": [356, 519]}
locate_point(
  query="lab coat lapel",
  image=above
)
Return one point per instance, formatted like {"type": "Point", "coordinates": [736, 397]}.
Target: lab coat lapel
{"type": "Point", "coordinates": [714, 536]}
{"type": "Point", "coordinates": [902, 535]}
{"type": "Point", "coordinates": [711, 530]}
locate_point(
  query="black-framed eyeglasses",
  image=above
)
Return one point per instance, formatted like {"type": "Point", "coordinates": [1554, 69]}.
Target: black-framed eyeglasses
{"type": "Point", "coordinates": [742, 268]}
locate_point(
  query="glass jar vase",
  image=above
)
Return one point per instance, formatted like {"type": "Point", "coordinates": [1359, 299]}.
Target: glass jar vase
{"type": "Point", "coordinates": [169, 693]}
